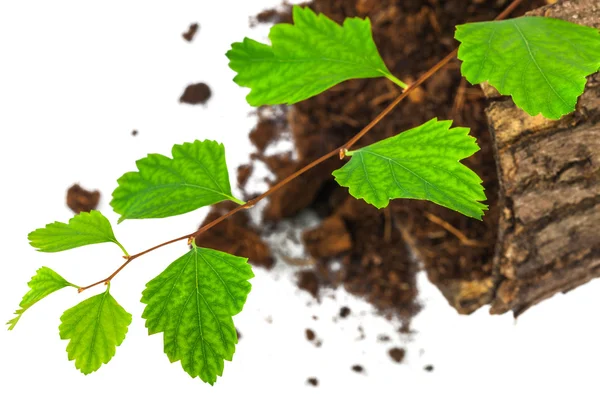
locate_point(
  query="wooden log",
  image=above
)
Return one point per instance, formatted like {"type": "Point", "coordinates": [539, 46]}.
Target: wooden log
{"type": "Point", "coordinates": [549, 174]}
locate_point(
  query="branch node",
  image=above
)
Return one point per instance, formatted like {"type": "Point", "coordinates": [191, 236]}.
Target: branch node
{"type": "Point", "coordinates": [249, 204]}
{"type": "Point", "coordinates": [343, 153]}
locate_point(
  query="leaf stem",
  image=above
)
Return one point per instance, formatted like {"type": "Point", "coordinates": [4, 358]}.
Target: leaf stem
{"type": "Point", "coordinates": [122, 248]}
{"type": "Point", "coordinates": [396, 81]}
{"type": "Point", "coordinates": [237, 201]}
{"type": "Point", "coordinates": [339, 150]}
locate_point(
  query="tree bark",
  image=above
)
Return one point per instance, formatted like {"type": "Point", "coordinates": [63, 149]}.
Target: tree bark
{"type": "Point", "coordinates": [549, 173]}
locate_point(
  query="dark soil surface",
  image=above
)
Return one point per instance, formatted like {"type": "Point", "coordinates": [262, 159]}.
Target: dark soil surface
{"type": "Point", "coordinates": [191, 32]}
{"type": "Point", "coordinates": [197, 93]}
{"type": "Point", "coordinates": [81, 200]}
{"type": "Point", "coordinates": [381, 251]}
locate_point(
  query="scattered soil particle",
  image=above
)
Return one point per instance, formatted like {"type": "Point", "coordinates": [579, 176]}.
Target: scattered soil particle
{"type": "Point", "coordinates": [344, 312]}
{"type": "Point", "coordinates": [397, 354]}
{"type": "Point", "coordinates": [81, 200]}
{"type": "Point", "coordinates": [134, 132]}
{"type": "Point", "coordinates": [310, 335]}
{"type": "Point", "coordinates": [197, 93]}
{"type": "Point", "coordinates": [247, 242]}
{"type": "Point", "coordinates": [312, 381]}
{"type": "Point", "coordinates": [358, 368]}
{"type": "Point", "coordinates": [308, 280]}
{"type": "Point", "coordinates": [383, 338]}
{"type": "Point", "coordinates": [191, 32]}
{"type": "Point", "coordinates": [239, 334]}
{"type": "Point", "coordinates": [361, 333]}
{"type": "Point", "coordinates": [265, 17]}
{"type": "Point", "coordinates": [428, 368]}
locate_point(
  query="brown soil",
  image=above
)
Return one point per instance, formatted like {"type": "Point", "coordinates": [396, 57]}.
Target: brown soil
{"type": "Point", "coordinates": [191, 32]}
{"type": "Point", "coordinates": [309, 281]}
{"type": "Point", "coordinates": [397, 354]}
{"type": "Point", "coordinates": [247, 242]}
{"type": "Point", "coordinates": [383, 338]}
{"type": "Point", "coordinates": [266, 16]}
{"type": "Point", "coordinates": [313, 381]}
{"type": "Point", "coordinates": [344, 312]}
{"type": "Point", "coordinates": [81, 200]}
{"type": "Point", "coordinates": [197, 93]}
{"type": "Point", "coordinates": [381, 250]}
{"type": "Point", "coordinates": [358, 368]}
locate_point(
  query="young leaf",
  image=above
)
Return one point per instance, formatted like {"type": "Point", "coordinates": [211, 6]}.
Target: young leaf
{"type": "Point", "coordinates": [44, 282]}
{"type": "Point", "coordinates": [306, 58]}
{"type": "Point", "coordinates": [192, 302]}
{"type": "Point", "coordinates": [196, 176]}
{"type": "Point", "coordinates": [421, 163]}
{"type": "Point", "coordinates": [83, 229]}
{"type": "Point", "coordinates": [95, 327]}
{"type": "Point", "coordinates": [541, 62]}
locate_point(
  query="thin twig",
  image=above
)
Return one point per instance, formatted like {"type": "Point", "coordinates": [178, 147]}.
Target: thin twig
{"type": "Point", "coordinates": [459, 235]}
{"type": "Point", "coordinates": [339, 151]}
{"type": "Point", "coordinates": [459, 100]}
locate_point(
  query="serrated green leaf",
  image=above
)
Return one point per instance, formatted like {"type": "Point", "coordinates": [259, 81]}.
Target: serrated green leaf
{"type": "Point", "coordinates": [421, 163]}
{"type": "Point", "coordinates": [192, 302]}
{"type": "Point", "coordinates": [196, 176]}
{"type": "Point", "coordinates": [541, 62]}
{"type": "Point", "coordinates": [306, 58]}
{"type": "Point", "coordinates": [44, 282]}
{"type": "Point", "coordinates": [83, 229]}
{"type": "Point", "coordinates": [95, 327]}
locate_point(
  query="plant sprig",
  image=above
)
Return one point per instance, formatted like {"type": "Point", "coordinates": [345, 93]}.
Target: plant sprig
{"type": "Point", "coordinates": [193, 300]}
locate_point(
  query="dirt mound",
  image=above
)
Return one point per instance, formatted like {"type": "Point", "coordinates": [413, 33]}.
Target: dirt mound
{"type": "Point", "coordinates": [379, 252]}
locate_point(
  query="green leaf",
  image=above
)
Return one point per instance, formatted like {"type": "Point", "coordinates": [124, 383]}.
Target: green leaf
{"type": "Point", "coordinates": [541, 62]}
{"type": "Point", "coordinates": [421, 163]}
{"type": "Point", "coordinates": [306, 58]}
{"type": "Point", "coordinates": [44, 282]}
{"type": "Point", "coordinates": [192, 302]}
{"type": "Point", "coordinates": [83, 229]}
{"type": "Point", "coordinates": [95, 327]}
{"type": "Point", "coordinates": [196, 176]}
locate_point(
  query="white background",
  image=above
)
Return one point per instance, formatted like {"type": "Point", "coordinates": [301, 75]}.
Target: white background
{"type": "Point", "coordinates": [75, 79]}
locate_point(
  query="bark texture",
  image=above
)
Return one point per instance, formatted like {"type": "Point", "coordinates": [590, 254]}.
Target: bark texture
{"type": "Point", "coordinates": [549, 173]}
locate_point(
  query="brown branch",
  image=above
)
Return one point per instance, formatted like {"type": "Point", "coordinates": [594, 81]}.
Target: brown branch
{"type": "Point", "coordinates": [339, 151]}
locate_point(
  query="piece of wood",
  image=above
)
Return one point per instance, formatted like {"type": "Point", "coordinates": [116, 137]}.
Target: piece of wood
{"type": "Point", "coordinates": [549, 173]}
